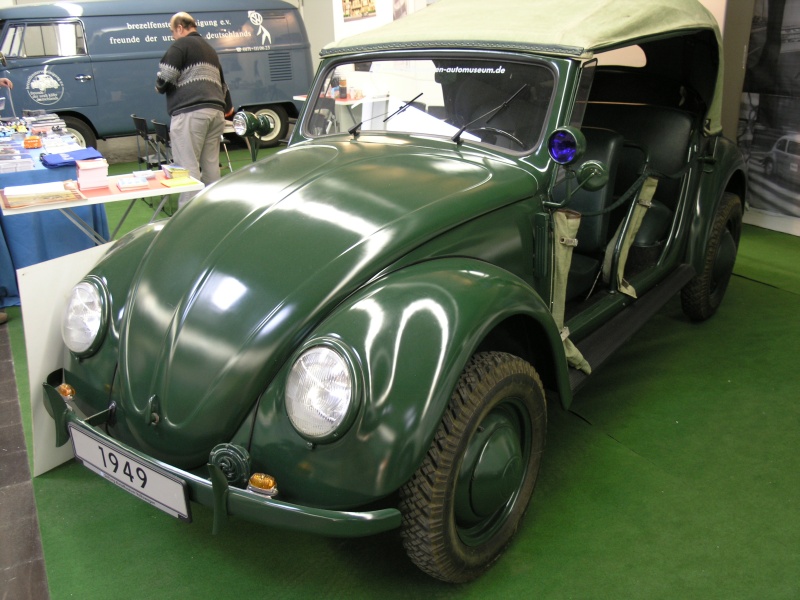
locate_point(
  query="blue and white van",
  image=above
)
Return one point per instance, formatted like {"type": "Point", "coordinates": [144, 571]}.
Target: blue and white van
{"type": "Point", "coordinates": [95, 63]}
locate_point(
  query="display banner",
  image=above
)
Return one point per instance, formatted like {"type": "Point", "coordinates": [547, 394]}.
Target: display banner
{"type": "Point", "coordinates": [769, 123]}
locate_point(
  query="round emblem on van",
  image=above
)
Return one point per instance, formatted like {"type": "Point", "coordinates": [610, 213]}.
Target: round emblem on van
{"type": "Point", "coordinates": [45, 87]}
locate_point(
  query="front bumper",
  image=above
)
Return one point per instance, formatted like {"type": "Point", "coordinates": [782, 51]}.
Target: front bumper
{"type": "Point", "coordinates": [215, 492]}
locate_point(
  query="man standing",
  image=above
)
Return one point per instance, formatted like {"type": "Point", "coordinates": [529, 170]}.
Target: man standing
{"type": "Point", "coordinates": [191, 76]}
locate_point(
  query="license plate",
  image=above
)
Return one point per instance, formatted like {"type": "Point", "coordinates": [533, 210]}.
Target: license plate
{"type": "Point", "coordinates": [147, 483]}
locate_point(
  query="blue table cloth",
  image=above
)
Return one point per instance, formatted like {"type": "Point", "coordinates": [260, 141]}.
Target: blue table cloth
{"type": "Point", "coordinates": [9, 294]}
{"type": "Point", "coordinates": [36, 237]}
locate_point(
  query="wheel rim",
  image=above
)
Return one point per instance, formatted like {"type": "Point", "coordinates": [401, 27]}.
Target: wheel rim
{"type": "Point", "coordinates": [79, 139]}
{"type": "Point", "coordinates": [492, 473]}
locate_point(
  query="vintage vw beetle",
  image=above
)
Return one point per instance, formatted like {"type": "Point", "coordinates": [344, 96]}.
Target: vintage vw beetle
{"type": "Point", "coordinates": [360, 332]}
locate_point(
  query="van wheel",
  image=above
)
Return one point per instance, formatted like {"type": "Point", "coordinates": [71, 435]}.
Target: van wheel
{"type": "Point", "coordinates": [280, 125]}
{"type": "Point", "coordinates": [465, 502]}
{"type": "Point", "coordinates": [83, 134]}
{"type": "Point", "coordinates": [701, 297]}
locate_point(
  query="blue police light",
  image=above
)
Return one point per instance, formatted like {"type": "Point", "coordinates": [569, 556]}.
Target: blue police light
{"type": "Point", "coordinates": [566, 145]}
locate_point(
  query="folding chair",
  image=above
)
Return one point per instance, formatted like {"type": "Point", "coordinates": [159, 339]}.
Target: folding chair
{"type": "Point", "coordinates": [168, 203]}
{"type": "Point", "coordinates": [146, 149]}
{"type": "Point", "coordinates": [223, 142]}
{"type": "Point", "coordinates": [162, 142]}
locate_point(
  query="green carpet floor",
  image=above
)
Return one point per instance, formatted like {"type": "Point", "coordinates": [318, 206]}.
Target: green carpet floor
{"type": "Point", "coordinates": [675, 475]}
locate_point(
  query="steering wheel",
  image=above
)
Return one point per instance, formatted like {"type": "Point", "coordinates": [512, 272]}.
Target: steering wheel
{"type": "Point", "coordinates": [500, 132]}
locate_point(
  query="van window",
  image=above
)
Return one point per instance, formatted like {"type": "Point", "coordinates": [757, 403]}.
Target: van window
{"type": "Point", "coordinates": [44, 39]}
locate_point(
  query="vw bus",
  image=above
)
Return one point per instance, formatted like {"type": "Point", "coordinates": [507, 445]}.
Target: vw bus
{"type": "Point", "coordinates": [95, 63]}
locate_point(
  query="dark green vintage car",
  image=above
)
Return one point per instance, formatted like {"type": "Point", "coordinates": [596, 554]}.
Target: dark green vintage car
{"type": "Point", "coordinates": [365, 330]}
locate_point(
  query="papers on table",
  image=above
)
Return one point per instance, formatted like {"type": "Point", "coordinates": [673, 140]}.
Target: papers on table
{"type": "Point", "coordinates": [34, 188]}
{"type": "Point", "coordinates": [178, 182]}
{"type": "Point", "coordinates": [19, 196]}
{"type": "Point", "coordinates": [32, 198]}
{"type": "Point", "coordinates": [132, 183]}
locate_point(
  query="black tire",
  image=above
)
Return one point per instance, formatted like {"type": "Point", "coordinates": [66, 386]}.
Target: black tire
{"type": "Point", "coordinates": [769, 167]}
{"type": "Point", "coordinates": [83, 134]}
{"type": "Point", "coordinates": [702, 296]}
{"type": "Point", "coordinates": [280, 125]}
{"type": "Point", "coordinates": [465, 502]}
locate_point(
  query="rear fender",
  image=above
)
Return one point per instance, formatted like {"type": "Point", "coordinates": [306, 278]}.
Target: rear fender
{"type": "Point", "coordinates": [725, 171]}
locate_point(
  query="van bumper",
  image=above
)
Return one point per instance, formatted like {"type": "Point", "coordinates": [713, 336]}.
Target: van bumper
{"type": "Point", "coordinates": [214, 491]}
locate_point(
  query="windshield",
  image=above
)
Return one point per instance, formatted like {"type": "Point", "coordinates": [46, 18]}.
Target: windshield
{"type": "Point", "coordinates": [489, 101]}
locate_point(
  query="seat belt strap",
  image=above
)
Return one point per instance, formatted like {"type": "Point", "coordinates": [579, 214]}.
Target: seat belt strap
{"type": "Point", "coordinates": [644, 200]}
{"type": "Point", "coordinates": [565, 223]}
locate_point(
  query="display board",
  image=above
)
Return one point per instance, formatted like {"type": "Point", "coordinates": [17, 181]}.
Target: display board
{"type": "Point", "coordinates": [44, 290]}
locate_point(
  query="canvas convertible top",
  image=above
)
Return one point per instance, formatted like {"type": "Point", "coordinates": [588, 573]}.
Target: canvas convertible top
{"type": "Point", "coordinates": [574, 29]}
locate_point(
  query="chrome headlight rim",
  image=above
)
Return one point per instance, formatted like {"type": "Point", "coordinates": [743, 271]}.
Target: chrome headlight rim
{"type": "Point", "coordinates": [242, 123]}
{"type": "Point", "coordinates": [352, 364]}
{"type": "Point", "coordinates": [99, 288]}
{"type": "Point", "coordinates": [247, 124]}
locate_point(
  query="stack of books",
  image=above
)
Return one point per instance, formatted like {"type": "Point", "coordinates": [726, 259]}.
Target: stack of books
{"type": "Point", "coordinates": [12, 160]}
{"type": "Point", "coordinates": [175, 176]}
{"type": "Point", "coordinates": [59, 143]}
{"type": "Point", "coordinates": [92, 174]}
{"type": "Point", "coordinates": [174, 172]}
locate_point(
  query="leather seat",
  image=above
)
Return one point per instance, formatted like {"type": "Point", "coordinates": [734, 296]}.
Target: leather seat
{"type": "Point", "coordinates": [664, 133]}
{"type": "Point", "coordinates": [605, 146]}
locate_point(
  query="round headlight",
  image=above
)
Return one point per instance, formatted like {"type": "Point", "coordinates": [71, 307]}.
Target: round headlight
{"type": "Point", "coordinates": [84, 321]}
{"type": "Point", "coordinates": [246, 123]}
{"type": "Point", "coordinates": [319, 393]}
{"type": "Point", "coordinates": [242, 123]}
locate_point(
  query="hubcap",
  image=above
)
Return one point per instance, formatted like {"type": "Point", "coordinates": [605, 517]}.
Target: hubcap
{"type": "Point", "coordinates": [723, 264]}
{"type": "Point", "coordinates": [491, 475]}
{"type": "Point", "coordinates": [497, 474]}
{"type": "Point", "coordinates": [79, 139]}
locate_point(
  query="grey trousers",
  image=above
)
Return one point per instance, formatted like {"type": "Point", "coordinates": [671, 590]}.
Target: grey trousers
{"type": "Point", "coordinates": [195, 138]}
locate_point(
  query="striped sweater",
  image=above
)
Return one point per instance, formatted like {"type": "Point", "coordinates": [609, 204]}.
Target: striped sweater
{"type": "Point", "coordinates": [191, 76]}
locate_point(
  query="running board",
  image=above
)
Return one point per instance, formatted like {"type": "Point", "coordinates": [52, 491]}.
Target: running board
{"type": "Point", "coordinates": [601, 344]}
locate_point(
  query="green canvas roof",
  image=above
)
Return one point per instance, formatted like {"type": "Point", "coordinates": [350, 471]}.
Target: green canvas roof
{"type": "Point", "coordinates": [569, 28]}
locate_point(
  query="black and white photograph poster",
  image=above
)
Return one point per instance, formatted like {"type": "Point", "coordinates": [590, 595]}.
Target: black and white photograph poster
{"type": "Point", "coordinates": [769, 123]}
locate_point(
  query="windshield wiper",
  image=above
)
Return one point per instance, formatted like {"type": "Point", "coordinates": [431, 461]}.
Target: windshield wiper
{"type": "Point", "coordinates": [354, 130]}
{"type": "Point", "coordinates": [496, 110]}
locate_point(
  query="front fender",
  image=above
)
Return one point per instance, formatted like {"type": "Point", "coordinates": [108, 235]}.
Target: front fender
{"type": "Point", "coordinates": [410, 333]}
{"type": "Point", "coordinates": [94, 375]}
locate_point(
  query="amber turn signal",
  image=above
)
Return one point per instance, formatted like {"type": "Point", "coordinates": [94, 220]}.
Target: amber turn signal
{"type": "Point", "coordinates": [263, 484]}
{"type": "Point", "coordinates": [66, 391]}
